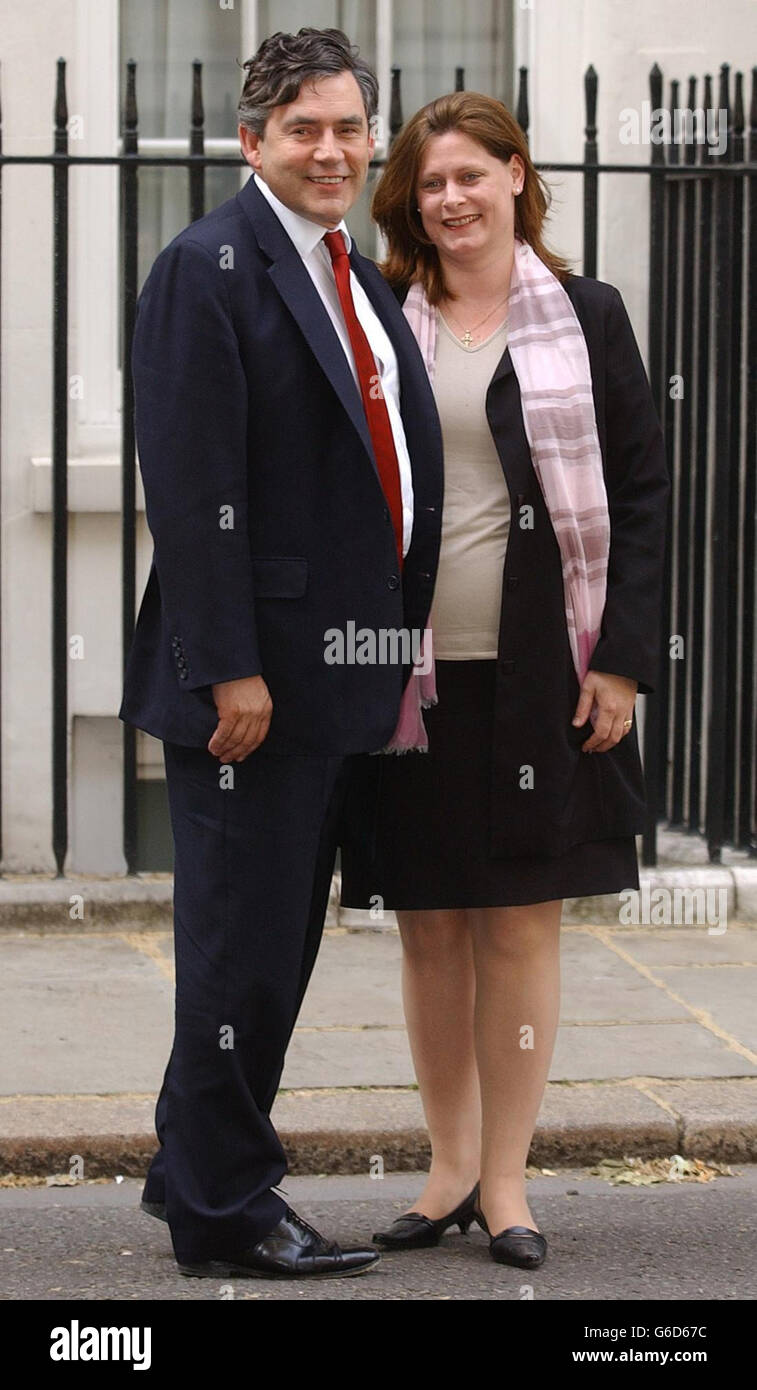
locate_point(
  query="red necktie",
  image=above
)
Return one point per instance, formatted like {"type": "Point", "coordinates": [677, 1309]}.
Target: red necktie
{"type": "Point", "coordinates": [369, 377]}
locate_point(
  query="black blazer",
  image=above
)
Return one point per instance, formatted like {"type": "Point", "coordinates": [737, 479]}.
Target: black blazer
{"type": "Point", "coordinates": [262, 493]}
{"type": "Point", "coordinates": [576, 796]}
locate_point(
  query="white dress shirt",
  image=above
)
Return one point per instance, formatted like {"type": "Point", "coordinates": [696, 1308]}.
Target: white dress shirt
{"type": "Point", "coordinates": [308, 239]}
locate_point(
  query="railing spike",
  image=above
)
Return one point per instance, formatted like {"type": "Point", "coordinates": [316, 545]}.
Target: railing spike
{"type": "Point", "coordinates": [521, 114]}
{"type": "Point", "coordinates": [395, 105]}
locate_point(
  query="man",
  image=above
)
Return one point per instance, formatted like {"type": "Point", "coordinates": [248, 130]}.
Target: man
{"type": "Point", "coordinates": [291, 457]}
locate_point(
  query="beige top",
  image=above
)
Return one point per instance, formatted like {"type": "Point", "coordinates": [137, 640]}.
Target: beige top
{"type": "Point", "coordinates": [467, 600]}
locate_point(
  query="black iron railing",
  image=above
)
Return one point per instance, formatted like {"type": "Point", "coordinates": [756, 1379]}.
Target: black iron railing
{"type": "Point", "coordinates": [702, 329]}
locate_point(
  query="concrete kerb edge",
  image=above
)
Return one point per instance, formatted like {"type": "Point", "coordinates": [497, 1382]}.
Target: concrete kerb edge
{"type": "Point", "coordinates": [36, 901]}
{"type": "Point", "coordinates": [721, 1129]}
{"type": "Point", "coordinates": [332, 1152]}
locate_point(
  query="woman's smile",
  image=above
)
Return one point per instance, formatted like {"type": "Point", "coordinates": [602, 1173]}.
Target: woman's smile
{"type": "Point", "coordinates": [465, 221]}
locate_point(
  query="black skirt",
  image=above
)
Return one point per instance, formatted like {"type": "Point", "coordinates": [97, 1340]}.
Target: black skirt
{"type": "Point", "coordinates": [416, 826]}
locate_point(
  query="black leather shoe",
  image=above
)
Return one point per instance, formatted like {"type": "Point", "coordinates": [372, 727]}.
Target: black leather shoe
{"type": "Point", "coordinates": [292, 1250]}
{"type": "Point", "coordinates": [516, 1245]}
{"type": "Point", "coordinates": [414, 1231]}
{"type": "Point", "coordinates": [157, 1209]}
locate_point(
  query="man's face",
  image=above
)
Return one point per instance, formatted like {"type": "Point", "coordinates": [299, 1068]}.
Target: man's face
{"type": "Point", "coordinates": [315, 151]}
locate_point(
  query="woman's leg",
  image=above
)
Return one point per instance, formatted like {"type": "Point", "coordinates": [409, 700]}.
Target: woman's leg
{"type": "Point", "coordinates": [438, 991]}
{"type": "Point", "coordinates": [517, 966]}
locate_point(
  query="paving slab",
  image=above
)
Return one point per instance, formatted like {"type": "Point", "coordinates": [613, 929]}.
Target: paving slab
{"type": "Point", "coordinates": [719, 993]}
{"type": "Point", "coordinates": [587, 1052]}
{"type": "Point", "coordinates": [57, 1117]}
{"type": "Point", "coordinates": [348, 1057]}
{"type": "Point", "coordinates": [82, 1013]}
{"type": "Point", "coordinates": [691, 946]}
{"type": "Point", "coordinates": [598, 985]}
{"type": "Point", "coordinates": [356, 981]}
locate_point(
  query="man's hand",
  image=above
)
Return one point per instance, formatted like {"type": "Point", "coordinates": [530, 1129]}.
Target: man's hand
{"type": "Point", "coordinates": [244, 715]}
{"type": "Point", "coordinates": [615, 696]}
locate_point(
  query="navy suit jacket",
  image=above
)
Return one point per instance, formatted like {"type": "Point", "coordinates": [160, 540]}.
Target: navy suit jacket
{"type": "Point", "coordinates": [263, 499]}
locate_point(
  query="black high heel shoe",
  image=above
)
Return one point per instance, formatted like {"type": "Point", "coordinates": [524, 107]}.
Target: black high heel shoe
{"type": "Point", "coordinates": [414, 1231]}
{"type": "Point", "coordinates": [516, 1245]}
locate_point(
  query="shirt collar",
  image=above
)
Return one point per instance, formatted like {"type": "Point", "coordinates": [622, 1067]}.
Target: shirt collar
{"type": "Point", "coordinates": [305, 234]}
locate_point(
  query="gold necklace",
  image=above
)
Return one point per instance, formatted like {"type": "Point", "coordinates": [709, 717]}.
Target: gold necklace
{"type": "Point", "coordinates": [467, 337]}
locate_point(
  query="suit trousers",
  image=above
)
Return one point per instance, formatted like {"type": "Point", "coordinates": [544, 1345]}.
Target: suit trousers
{"type": "Point", "coordinates": [254, 850]}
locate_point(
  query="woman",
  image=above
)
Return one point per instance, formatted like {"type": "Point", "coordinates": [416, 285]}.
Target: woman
{"type": "Point", "coordinates": [545, 626]}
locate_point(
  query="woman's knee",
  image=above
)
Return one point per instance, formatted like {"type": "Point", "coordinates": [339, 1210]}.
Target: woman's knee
{"type": "Point", "coordinates": [437, 934]}
{"type": "Point", "coordinates": [517, 932]}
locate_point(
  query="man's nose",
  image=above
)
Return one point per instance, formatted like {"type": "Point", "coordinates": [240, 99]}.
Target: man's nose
{"type": "Point", "coordinates": [328, 147]}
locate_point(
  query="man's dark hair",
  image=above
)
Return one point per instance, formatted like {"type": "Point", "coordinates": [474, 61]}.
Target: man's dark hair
{"type": "Point", "coordinates": [284, 61]}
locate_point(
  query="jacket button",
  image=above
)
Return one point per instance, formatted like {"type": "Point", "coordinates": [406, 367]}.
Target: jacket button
{"type": "Point", "coordinates": [512, 582]}
{"type": "Point", "coordinates": [183, 674]}
{"type": "Point", "coordinates": [393, 582]}
{"type": "Point", "coordinates": [507, 667]}
{"type": "Point", "coordinates": [422, 575]}
{"type": "Point", "coordinates": [175, 643]}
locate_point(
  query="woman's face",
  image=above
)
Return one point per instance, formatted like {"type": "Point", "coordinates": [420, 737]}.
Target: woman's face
{"type": "Point", "coordinates": [466, 196]}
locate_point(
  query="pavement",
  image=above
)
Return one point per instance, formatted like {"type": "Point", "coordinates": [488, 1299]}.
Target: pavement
{"type": "Point", "coordinates": [656, 1052]}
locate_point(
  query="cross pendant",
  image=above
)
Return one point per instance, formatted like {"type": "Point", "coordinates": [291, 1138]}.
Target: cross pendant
{"type": "Point", "coordinates": [467, 339]}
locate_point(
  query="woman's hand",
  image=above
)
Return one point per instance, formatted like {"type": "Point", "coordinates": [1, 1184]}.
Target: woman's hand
{"type": "Point", "coordinates": [615, 696]}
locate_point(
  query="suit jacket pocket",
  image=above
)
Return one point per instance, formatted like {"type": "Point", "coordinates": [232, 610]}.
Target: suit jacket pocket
{"type": "Point", "coordinates": [283, 576]}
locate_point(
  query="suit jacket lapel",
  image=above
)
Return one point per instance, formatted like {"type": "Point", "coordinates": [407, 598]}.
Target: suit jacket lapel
{"type": "Point", "coordinates": [294, 285]}
{"type": "Point", "coordinates": [298, 292]}
{"type": "Point", "coordinates": [414, 383]}
{"type": "Point", "coordinates": [504, 367]}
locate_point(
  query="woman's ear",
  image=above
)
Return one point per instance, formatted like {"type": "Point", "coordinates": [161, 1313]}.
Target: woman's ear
{"type": "Point", "coordinates": [517, 172]}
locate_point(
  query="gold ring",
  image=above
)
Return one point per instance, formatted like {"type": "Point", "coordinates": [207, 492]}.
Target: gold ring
{"type": "Point", "coordinates": [627, 723]}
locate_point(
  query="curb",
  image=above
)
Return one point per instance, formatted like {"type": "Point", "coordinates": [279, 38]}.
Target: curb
{"type": "Point", "coordinates": [348, 1131]}
{"type": "Point", "coordinates": [91, 903]}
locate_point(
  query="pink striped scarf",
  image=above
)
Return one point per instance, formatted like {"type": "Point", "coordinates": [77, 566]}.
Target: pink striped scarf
{"type": "Point", "coordinates": [551, 362]}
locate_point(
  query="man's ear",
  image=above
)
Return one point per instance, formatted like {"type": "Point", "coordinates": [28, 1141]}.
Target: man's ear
{"type": "Point", "coordinates": [250, 146]}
